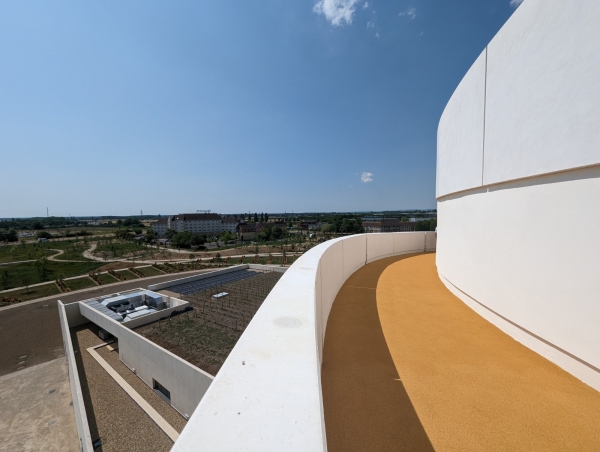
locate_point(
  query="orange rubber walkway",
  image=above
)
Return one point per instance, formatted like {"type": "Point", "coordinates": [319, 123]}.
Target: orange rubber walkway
{"type": "Point", "coordinates": [407, 366]}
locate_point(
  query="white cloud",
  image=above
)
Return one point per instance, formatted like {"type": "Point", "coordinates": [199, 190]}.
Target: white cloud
{"type": "Point", "coordinates": [515, 3]}
{"type": "Point", "coordinates": [412, 12]}
{"type": "Point", "coordinates": [366, 5]}
{"type": "Point", "coordinates": [366, 177]}
{"type": "Point", "coordinates": [371, 24]}
{"type": "Point", "coordinates": [377, 35]}
{"type": "Point", "coordinates": [336, 11]}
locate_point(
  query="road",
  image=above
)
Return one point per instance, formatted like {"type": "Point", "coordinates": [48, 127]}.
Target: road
{"type": "Point", "coordinates": [32, 328]}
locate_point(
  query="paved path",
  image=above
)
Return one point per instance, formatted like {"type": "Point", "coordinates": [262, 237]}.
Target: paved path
{"type": "Point", "coordinates": [58, 253]}
{"type": "Point", "coordinates": [36, 410]}
{"type": "Point", "coordinates": [409, 367]}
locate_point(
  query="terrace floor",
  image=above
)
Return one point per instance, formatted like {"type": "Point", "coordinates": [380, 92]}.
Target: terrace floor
{"type": "Point", "coordinates": [407, 366]}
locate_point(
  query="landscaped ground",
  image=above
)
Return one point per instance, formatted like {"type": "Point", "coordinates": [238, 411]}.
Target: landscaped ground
{"type": "Point", "coordinates": [16, 253]}
{"type": "Point", "coordinates": [205, 336]}
{"type": "Point", "coordinates": [126, 274]}
{"type": "Point", "coordinates": [149, 271]}
{"type": "Point", "coordinates": [80, 283]}
{"type": "Point", "coordinates": [19, 275]}
{"type": "Point", "coordinates": [107, 278]}
{"type": "Point", "coordinates": [34, 292]}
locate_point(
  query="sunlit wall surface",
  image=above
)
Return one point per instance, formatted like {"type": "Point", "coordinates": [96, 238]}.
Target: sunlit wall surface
{"type": "Point", "coordinates": [518, 183]}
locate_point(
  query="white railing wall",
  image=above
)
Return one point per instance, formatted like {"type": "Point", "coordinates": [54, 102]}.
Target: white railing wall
{"type": "Point", "coordinates": [267, 395]}
{"type": "Point", "coordinates": [83, 430]}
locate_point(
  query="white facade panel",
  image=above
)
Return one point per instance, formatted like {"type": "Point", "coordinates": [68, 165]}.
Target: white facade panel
{"type": "Point", "coordinates": [543, 86]}
{"type": "Point", "coordinates": [541, 275]}
{"type": "Point", "coordinates": [460, 134]}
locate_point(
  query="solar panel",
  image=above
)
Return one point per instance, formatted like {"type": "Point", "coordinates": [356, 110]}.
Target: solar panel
{"type": "Point", "coordinates": [213, 281]}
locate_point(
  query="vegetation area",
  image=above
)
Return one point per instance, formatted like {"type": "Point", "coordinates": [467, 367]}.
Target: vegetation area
{"type": "Point", "coordinates": [23, 252]}
{"type": "Point", "coordinates": [80, 283]}
{"type": "Point", "coordinates": [41, 270]}
{"type": "Point", "coordinates": [426, 225]}
{"type": "Point", "coordinates": [112, 248]}
{"type": "Point", "coordinates": [45, 290]}
{"type": "Point", "coordinates": [149, 271]}
{"type": "Point", "coordinates": [107, 279]}
{"type": "Point", "coordinates": [126, 274]}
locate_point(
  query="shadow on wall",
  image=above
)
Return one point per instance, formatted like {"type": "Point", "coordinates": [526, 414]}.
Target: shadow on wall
{"type": "Point", "coordinates": [83, 379]}
{"type": "Point", "coordinates": [379, 416]}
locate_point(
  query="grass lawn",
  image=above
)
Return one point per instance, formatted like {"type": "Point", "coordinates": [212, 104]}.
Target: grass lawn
{"type": "Point", "coordinates": [34, 292]}
{"type": "Point", "coordinates": [107, 278]}
{"type": "Point", "coordinates": [127, 274]}
{"type": "Point", "coordinates": [16, 275]}
{"type": "Point", "coordinates": [80, 283]}
{"type": "Point", "coordinates": [16, 253]}
{"type": "Point", "coordinates": [150, 271]}
{"type": "Point", "coordinates": [117, 248]}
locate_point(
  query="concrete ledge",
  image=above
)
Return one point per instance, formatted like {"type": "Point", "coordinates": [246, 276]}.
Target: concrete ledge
{"type": "Point", "coordinates": [83, 428]}
{"type": "Point", "coordinates": [267, 395]}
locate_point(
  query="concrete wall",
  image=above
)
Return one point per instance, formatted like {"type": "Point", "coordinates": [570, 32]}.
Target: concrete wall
{"type": "Point", "coordinates": [504, 245]}
{"type": "Point", "coordinates": [267, 395]}
{"type": "Point", "coordinates": [83, 429]}
{"type": "Point", "coordinates": [186, 382]}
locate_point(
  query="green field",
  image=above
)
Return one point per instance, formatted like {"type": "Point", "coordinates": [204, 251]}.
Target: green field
{"type": "Point", "coordinates": [118, 248]}
{"type": "Point", "coordinates": [34, 292]}
{"type": "Point", "coordinates": [149, 271]}
{"type": "Point", "coordinates": [107, 278]}
{"type": "Point", "coordinates": [80, 283]}
{"type": "Point", "coordinates": [18, 275]}
{"type": "Point", "coordinates": [127, 274]}
{"type": "Point", "coordinates": [16, 253]}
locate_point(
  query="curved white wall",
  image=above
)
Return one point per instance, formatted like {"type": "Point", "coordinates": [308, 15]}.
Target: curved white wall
{"type": "Point", "coordinates": [519, 246]}
{"type": "Point", "coordinates": [267, 395]}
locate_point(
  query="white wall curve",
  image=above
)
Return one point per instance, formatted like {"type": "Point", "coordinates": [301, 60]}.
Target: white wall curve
{"type": "Point", "coordinates": [267, 395]}
{"type": "Point", "coordinates": [518, 247]}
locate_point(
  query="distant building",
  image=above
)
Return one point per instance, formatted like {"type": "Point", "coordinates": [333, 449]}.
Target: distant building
{"type": "Point", "coordinates": [230, 224]}
{"type": "Point", "coordinates": [310, 225]}
{"type": "Point", "coordinates": [388, 225]}
{"type": "Point", "coordinates": [196, 223]}
{"type": "Point", "coordinates": [247, 231]}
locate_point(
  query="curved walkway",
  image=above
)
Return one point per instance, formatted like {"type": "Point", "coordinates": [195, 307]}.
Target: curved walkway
{"type": "Point", "coordinates": [408, 367]}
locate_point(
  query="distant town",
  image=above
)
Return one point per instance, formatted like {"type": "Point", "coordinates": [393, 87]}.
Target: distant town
{"type": "Point", "coordinates": [44, 256]}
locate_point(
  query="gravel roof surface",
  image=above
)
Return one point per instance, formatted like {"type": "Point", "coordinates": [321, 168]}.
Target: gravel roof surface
{"type": "Point", "coordinates": [112, 415]}
{"type": "Point", "coordinates": [170, 414]}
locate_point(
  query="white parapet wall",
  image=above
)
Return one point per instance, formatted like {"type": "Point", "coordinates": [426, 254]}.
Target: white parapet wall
{"type": "Point", "coordinates": [66, 313]}
{"type": "Point", "coordinates": [267, 396]}
{"type": "Point", "coordinates": [186, 382]}
{"type": "Point", "coordinates": [518, 183]}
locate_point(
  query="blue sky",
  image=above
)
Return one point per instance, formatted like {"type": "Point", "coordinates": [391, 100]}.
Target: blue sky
{"type": "Point", "coordinates": [332, 105]}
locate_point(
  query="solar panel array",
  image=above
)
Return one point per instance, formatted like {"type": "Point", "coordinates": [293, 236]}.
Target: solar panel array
{"type": "Point", "coordinates": [213, 281]}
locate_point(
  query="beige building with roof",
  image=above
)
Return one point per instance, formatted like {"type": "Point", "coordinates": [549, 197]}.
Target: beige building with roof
{"type": "Point", "coordinates": [196, 223]}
